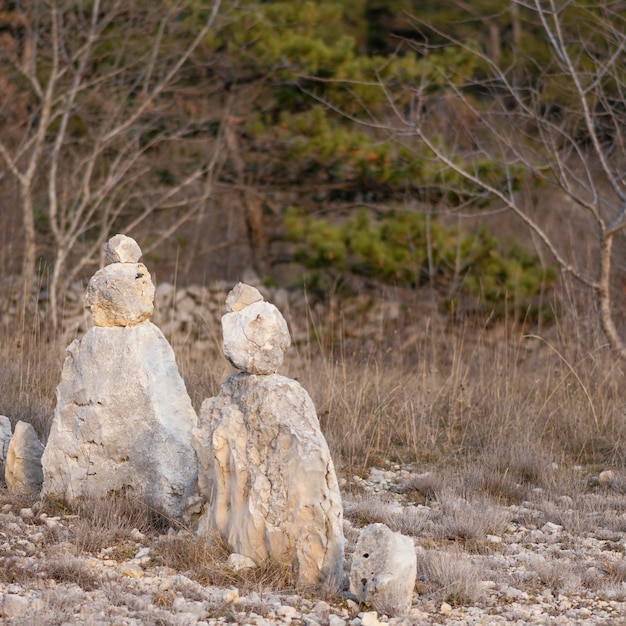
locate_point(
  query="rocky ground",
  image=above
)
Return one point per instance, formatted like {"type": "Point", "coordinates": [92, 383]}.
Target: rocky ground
{"type": "Point", "coordinates": [549, 559]}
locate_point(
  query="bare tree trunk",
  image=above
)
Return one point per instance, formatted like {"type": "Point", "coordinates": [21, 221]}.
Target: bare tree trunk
{"type": "Point", "coordinates": [29, 259]}
{"type": "Point", "coordinates": [603, 290]}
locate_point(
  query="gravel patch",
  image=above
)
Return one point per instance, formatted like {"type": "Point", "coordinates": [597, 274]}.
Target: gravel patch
{"type": "Point", "coordinates": [545, 560]}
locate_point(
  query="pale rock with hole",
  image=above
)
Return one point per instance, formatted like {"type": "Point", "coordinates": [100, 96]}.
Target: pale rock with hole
{"type": "Point", "coordinates": [269, 482]}
{"type": "Point", "coordinates": [123, 420]}
{"type": "Point", "coordinates": [120, 294]}
{"type": "Point", "coordinates": [23, 473]}
{"type": "Point", "coordinates": [122, 249]}
{"type": "Point", "coordinates": [384, 569]}
{"type": "Point", "coordinates": [255, 338]}
{"type": "Point", "coordinates": [6, 433]}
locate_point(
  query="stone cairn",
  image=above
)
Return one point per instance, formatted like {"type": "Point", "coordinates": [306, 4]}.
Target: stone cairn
{"type": "Point", "coordinates": [123, 418]}
{"type": "Point", "coordinates": [264, 469]}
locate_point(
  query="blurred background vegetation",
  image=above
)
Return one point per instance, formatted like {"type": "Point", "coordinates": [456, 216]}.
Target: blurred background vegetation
{"type": "Point", "coordinates": [277, 117]}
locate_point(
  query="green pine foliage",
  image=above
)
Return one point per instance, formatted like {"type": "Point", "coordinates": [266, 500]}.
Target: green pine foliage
{"type": "Point", "coordinates": [407, 248]}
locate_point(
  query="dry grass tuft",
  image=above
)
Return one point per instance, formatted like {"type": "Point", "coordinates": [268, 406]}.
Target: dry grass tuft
{"type": "Point", "coordinates": [448, 576]}
{"type": "Point", "coordinates": [366, 509]}
{"type": "Point", "coordinates": [101, 523]}
{"type": "Point", "coordinates": [206, 563]}
{"type": "Point", "coordinates": [70, 570]}
{"type": "Point", "coordinates": [164, 598]}
{"type": "Point", "coordinates": [362, 510]}
{"type": "Point", "coordinates": [19, 500]}
{"type": "Point", "coordinates": [558, 576]}
{"type": "Point", "coordinates": [615, 571]}
{"type": "Point", "coordinates": [501, 486]}
{"type": "Point", "coordinates": [423, 488]}
{"type": "Point", "coordinates": [469, 522]}
{"type": "Point", "coordinates": [29, 374]}
{"type": "Point", "coordinates": [13, 571]}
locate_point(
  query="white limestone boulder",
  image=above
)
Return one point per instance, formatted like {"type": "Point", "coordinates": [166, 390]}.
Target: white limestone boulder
{"type": "Point", "coordinates": [23, 462]}
{"type": "Point", "coordinates": [120, 294]}
{"type": "Point", "coordinates": [255, 338]}
{"type": "Point", "coordinates": [384, 569]}
{"type": "Point", "coordinates": [6, 432]}
{"type": "Point", "coordinates": [123, 420]}
{"type": "Point", "coordinates": [269, 482]}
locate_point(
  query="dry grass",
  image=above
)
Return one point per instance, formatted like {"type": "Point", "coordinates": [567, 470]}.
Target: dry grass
{"type": "Point", "coordinates": [469, 522]}
{"type": "Point", "coordinates": [102, 523]}
{"type": "Point", "coordinates": [29, 374]}
{"type": "Point", "coordinates": [495, 396]}
{"type": "Point", "coordinates": [506, 396]}
{"type": "Point", "coordinates": [448, 576]}
{"type": "Point", "coordinates": [11, 571]}
{"type": "Point", "coordinates": [206, 563]}
{"type": "Point", "coordinates": [70, 570]}
{"type": "Point", "coordinates": [558, 576]}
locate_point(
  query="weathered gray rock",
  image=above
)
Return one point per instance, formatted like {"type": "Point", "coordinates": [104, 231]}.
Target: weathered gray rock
{"type": "Point", "coordinates": [384, 568]}
{"type": "Point", "coordinates": [241, 296]}
{"type": "Point", "coordinates": [23, 463]}
{"type": "Point", "coordinates": [256, 338]}
{"type": "Point", "coordinates": [122, 249]}
{"type": "Point", "coordinates": [5, 437]}
{"type": "Point", "coordinates": [265, 471]}
{"type": "Point", "coordinates": [120, 294]}
{"type": "Point", "coordinates": [13, 606]}
{"type": "Point", "coordinates": [123, 420]}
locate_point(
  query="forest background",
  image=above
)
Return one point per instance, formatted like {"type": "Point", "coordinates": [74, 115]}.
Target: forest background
{"type": "Point", "coordinates": [463, 159]}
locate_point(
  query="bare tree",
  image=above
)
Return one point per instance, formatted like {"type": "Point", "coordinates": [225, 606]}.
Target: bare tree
{"type": "Point", "coordinates": [100, 80]}
{"type": "Point", "coordinates": [562, 125]}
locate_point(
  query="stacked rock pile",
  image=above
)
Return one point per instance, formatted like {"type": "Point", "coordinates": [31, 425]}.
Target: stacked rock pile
{"type": "Point", "coordinates": [123, 417]}
{"type": "Point", "coordinates": [256, 470]}
{"type": "Point", "coordinates": [264, 468]}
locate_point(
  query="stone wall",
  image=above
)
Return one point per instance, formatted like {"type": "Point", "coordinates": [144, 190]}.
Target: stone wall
{"type": "Point", "coordinates": [191, 316]}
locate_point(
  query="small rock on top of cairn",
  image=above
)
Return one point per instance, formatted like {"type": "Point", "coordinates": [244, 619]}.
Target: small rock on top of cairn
{"type": "Point", "coordinates": [121, 293]}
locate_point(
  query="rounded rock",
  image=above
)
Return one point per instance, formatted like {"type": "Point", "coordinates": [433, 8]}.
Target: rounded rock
{"type": "Point", "coordinates": [384, 569]}
{"type": "Point", "coordinates": [241, 296]}
{"type": "Point", "coordinates": [256, 338]}
{"type": "Point", "coordinates": [607, 477]}
{"type": "Point", "coordinates": [120, 294]}
{"type": "Point", "coordinates": [237, 562]}
{"type": "Point", "coordinates": [23, 473]}
{"type": "Point", "coordinates": [122, 249]}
